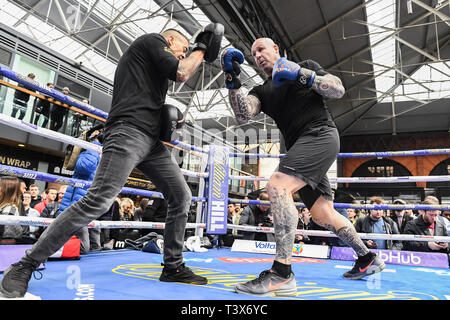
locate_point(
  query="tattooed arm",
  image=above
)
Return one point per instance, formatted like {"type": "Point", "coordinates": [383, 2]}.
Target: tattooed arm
{"type": "Point", "coordinates": [328, 86]}
{"type": "Point", "coordinates": [244, 107]}
{"type": "Point", "coordinates": [188, 66]}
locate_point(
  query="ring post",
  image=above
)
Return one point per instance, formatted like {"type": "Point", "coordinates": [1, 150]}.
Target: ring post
{"type": "Point", "coordinates": [218, 162]}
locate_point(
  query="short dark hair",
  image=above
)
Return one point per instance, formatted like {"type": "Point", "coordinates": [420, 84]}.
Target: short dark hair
{"type": "Point", "coordinates": [172, 31]}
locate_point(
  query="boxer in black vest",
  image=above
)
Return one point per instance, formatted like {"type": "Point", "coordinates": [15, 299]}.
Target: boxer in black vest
{"type": "Point", "coordinates": [294, 96]}
{"type": "Point", "coordinates": [132, 140]}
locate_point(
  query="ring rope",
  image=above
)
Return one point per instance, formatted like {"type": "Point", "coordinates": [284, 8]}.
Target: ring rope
{"type": "Point", "coordinates": [49, 134]}
{"type": "Point", "coordinates": [42, 176]}
{"type": "Point", "coordinates": [361, 179]}
{"type": "Point", "coordinates": [188, 146]}
{"type": "Point", "coordinates": [45, 222]}
{"type": "Point", "coordinates": [46, 133]}
{"type": "Point", "coordinates": [30, 174]}
{"type": "Point", "coordinates": [355, 206]}
{"type": "Point", "coordinates": [423, 152]}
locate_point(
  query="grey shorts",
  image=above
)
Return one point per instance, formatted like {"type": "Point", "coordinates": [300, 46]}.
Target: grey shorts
{"type": "Point", "coordinates": [311, 156]}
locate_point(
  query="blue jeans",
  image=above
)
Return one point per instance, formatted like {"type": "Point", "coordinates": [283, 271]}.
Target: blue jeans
{"type": "Point", "coordinates": [19, 106]}
{"type": "Point", "coordinates": [125, 148]}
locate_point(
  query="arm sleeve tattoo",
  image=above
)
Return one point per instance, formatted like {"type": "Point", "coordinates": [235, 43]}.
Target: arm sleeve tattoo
{"type": "Point", "coordinates": [328, 86]}
{"type": "Point", "coordinates": [244, 108]}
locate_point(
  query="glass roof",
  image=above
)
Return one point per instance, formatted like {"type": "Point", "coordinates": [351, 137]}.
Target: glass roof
{"type": "Point", "coordinates": [431, 80]}
{"type": "Point", "coordinates": [134, 18]}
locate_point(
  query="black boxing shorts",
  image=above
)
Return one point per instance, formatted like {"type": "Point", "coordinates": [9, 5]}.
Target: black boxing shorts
{"type": "Point", "coordinates": [310, 158]}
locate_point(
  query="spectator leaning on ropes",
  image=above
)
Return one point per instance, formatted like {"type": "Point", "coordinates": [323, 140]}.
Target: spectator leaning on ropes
{"type": "Point", "coordinates": [426, 224]}
{"type": "Point", "coordinates": [377, 222]}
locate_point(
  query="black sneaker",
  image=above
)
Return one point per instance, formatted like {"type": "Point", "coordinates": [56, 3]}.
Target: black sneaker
{"type": "Point", "coordinates": [181, 274]}
{"type": "Point", "coordinates": [14, 283]}
{"type": "Point", "coordinates": [364, 269]}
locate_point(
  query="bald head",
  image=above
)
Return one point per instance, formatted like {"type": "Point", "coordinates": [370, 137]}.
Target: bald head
{"type": "Point", "coordinates": [267, 41]}
{"type": "Point", "coordinates": [266, 53]}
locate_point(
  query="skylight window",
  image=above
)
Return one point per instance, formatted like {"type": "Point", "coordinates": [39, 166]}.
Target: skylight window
{"type": "Point", "coordinates": [381, 22]}
{"type": "Point", "coordinates": [126, 20]}
{"type": "Point", "coordinates": [431, 81]}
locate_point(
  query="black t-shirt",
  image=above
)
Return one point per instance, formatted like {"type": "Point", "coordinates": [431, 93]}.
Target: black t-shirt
{"type": "Point", "coordinates": [141, 82]}
{"type": "Point", "coordinates": [23, 96]}
{"type": "Point", "coordinates": [293, 108]}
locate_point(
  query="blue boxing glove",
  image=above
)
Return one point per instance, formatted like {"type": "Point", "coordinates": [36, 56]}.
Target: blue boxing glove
{"type": "Point", "coordinates": [285, 71]}
{"type": "Point", "coordinates": [231, 59]}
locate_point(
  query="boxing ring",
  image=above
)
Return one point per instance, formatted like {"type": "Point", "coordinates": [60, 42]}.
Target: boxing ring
{"type": "Point", "coordinates": [128, 274]}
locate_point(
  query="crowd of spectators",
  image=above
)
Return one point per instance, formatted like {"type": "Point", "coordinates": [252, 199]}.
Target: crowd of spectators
{"type": "Point", "coordinates": [374, 221]}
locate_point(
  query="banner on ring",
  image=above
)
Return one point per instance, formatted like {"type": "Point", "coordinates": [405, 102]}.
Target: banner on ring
{"type": "Point", "coordinates": [216, 222]}
{"type": "Point", "coordinates": [300, 250]}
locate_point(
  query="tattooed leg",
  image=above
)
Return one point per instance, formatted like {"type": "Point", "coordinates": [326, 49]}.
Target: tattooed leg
{"type": "Point", "coordinates": [285, 218]}
{"type": "Point", "coordinates": [349, 235]}
{"type": "Point", "coordinates": [324, 215]}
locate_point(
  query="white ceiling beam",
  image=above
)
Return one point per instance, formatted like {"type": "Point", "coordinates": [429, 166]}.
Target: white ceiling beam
{"type": "Point", "coordinates": [442, 16]}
